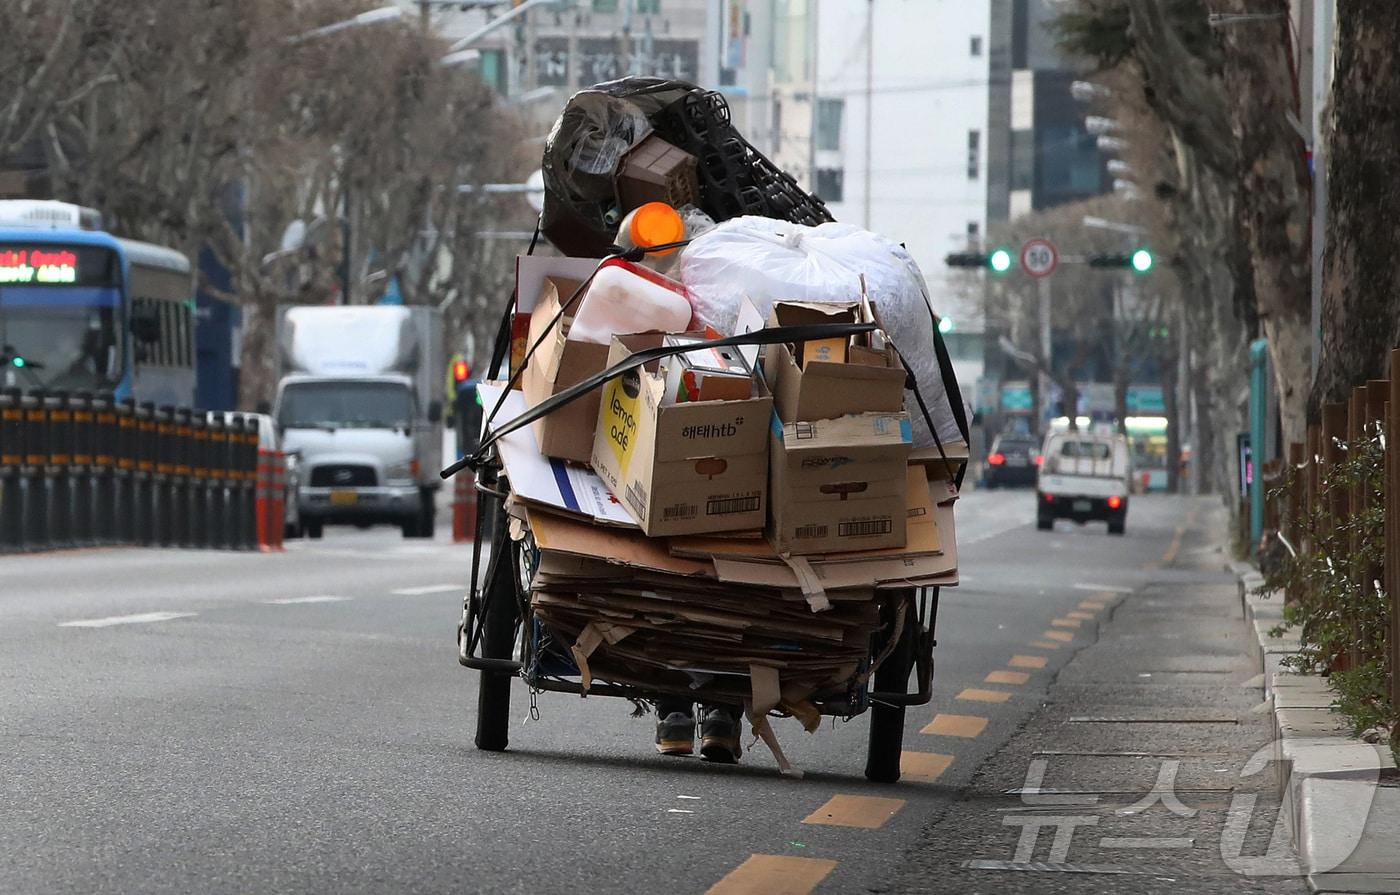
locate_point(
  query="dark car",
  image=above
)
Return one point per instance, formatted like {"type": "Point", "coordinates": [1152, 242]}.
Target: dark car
{"type": "Point", "coordinates": [1012, 461]}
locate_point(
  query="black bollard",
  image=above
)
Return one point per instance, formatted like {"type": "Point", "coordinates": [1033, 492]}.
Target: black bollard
{"type": "Point", "coordinates": [106, 431]}
{"type": "Point", "coordinates": [11, 459]}
{"type": "Point", "coordinates": [219, 525]}
{"type": "Point", "coordinates": [36, 457]}
{"type": "Point", "coordinates": [128, 512]}
{"type": "Point", "coordinates": [248, 482]}
{"type": "Point", "coordinates": [81, 497]}
{"type": "Point", "coordinates": [197, 505]}
{"type": "Point", "coordinates": [181, 437]}
{"type": "Point", "coordinates": [145, 498]}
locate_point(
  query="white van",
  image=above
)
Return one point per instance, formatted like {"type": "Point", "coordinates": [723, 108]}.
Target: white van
{"type": "Point", "coordinates": [1083, 477]}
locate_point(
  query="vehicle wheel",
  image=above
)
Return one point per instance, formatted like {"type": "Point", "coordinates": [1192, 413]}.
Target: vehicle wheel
{"type": "Point", "coordinates": [887, 721]}
{"type": "Point", "coordinates": [499, 615]}
{"type": "Point", "coordinates": [1116, 528]}
{"type": "Point", "coordinates": [291, 531]}
{"type": "Point", "coordinates": [409, 527]}
{"type": "Point", "coordinates": [1044, 521]}
{"type": "Point", "coordinates": [314, 528]}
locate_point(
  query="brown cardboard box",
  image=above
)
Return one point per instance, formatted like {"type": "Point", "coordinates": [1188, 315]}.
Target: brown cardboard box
{"type": "Point", "coordinates": [840, 484]}
{"type": "Point", "coordinates": [559, 362]}
{"type": "Point", "coordinates": [825, 389]}
{"type": "Point", "coordinates": [688, 468]}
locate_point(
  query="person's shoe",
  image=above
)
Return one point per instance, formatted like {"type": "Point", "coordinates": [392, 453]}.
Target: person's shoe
{"type": "Point", "coordinates": [719, 734]}
{"type": "Point", "coordinates": [675, 734]}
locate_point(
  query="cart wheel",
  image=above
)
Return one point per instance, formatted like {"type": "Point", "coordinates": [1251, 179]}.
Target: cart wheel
{"type": "Point", "coordinates": [497, 642]}
{"type": "Point", "coordinates": [887, 721]}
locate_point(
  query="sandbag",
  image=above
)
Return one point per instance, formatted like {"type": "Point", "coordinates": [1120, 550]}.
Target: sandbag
{"type": "Point", "coordinates": [764, 260]}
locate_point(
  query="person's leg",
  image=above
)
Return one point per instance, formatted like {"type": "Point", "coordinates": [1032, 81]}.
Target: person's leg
{"type": "Point", "coordinates": [675, 726]}
{"type": "Point", "coordinates": [720, 726]}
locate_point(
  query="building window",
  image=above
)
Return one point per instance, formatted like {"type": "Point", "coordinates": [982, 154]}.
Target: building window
{"type": "Point", "coordinates": [975, 45]}
{"type": "Point", "coordinates": [830, 184]}
{"type": "Point", "coordinates": [605, 5]}
{"type": "Point", "coordinates": [974, 154]}
{"type": "Point", "coordinates": [973, 228]}
{"type": "Point", "coordinates": [829, 112]}
{"type": "Point", "coordinates": [648, 7]}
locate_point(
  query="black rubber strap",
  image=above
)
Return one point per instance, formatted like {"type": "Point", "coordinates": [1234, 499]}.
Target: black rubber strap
{"type": "Point", "coordinates": [770, 336]}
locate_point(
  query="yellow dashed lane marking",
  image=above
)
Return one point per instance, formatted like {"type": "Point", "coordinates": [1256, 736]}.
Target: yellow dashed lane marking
{"type": "Point", "coordinates": [1027, 662]}
{"type": "Point", "coordinates": [1091, 604]}
{"type": "Point", "coordinates": [1006, 677]}
{"type": "Point", "coordinates": [866, 812]}
{"type": "Point", "coordinates": [923, 766]}
{"type": "Point", "coordinates": [1062, 636]}
{"type": "Point", "coordinates": [1045, 644]}
{"type": "Point", "coordinates": [773, 875]}
{"type": "Point", "coordinates": [966, 726]}
{"type": "Point", "coordinates": [976, 695]}
{"type": "Point", "coordinates": [1079, 614]}
{"type": "Point", "coordinates": [1066, 622]}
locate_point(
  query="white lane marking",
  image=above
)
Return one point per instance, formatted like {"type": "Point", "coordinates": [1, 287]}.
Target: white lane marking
{"type": "Point", "coordinates": [322, 598]}
{"type": "Point", "coordinates": [1113, 589]}
{"type": "Point", "coordinates": [696, 798]}
{"type": "Point", "coordinates": [426, 589]}
{"type": "Point", "coordinates": [678, 811]}
{"type": "Point", "coordinates": [140, 618]}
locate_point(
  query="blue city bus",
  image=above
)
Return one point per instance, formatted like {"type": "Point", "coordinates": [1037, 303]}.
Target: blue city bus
{"type": "Point", "coordinates": [81, 309]}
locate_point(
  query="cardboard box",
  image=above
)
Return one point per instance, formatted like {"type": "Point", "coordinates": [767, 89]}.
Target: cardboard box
{"type": "Point", "coordinates": [690, 468]}
{"type": "Point", "coordinates": [817, 388]}
{"type": "Point", "coordinates": [707, 374]}
{"type": "Point", "coordinates": [559, 362]}
{"type": "Point", "coordinates": [840, 484]}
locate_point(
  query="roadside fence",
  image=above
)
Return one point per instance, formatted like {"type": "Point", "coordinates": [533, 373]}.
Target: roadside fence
{"type": "Point", "coordinates": [1333, 547]}
{"type": "Point", "coordinates": [83, 470]}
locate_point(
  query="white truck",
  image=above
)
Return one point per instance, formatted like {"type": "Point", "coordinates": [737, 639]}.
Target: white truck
{"type": "Point", "coordinates": [359, 400]}
{"type": "Point", "coordinates": [1083, 476]}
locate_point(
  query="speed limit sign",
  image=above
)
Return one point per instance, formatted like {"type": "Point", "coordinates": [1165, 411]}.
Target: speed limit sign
{"type": "Point", "coordinates": [1039, 258]}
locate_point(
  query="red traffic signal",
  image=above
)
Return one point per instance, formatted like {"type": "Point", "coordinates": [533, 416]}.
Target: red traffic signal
{"type": "Point", "coordinates": [461, 371]}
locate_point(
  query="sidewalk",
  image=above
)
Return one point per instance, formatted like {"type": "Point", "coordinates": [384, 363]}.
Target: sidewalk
{"type": "Point", "coordinates": [1342, 798]}
{"type": "Point", "coordinates": [1148, 770]}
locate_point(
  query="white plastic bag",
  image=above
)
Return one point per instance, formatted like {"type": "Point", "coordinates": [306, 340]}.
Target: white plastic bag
{"type": "Point", "coordinates": [765, 260]}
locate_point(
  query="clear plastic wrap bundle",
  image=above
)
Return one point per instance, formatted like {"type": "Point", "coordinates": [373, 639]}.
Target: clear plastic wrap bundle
{"type": "Point", "coordinates": [766, 260]}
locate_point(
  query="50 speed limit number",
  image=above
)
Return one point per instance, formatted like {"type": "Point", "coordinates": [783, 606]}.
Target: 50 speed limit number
{"type": "Point", "coordinates": [1039, 258]}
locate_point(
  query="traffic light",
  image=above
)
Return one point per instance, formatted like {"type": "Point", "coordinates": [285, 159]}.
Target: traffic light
{"type": "Point", "coordinates": [17, 361]}
{"type": "Point", "coordinates": [997, 260]}
{"type": "Point", "coordinates": [1140, 261]}
{"type": "Point", "coordinates": [461, 371]}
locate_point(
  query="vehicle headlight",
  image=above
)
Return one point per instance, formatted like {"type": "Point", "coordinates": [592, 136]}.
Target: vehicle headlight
{"type": "Point", "coordinates": [401, 471]}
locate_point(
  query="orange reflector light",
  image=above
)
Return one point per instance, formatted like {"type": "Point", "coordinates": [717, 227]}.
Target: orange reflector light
{"type": "Point", "coordinates": [655, 224]}
{"type": "Point", "coordinates": [1115, 502]}
{"type": "Point", "coordinates": [997, 459]}
{"type": "Point", "coordinates": [1039, 459]}
{"type": "Point", "coordinates": [1049, 498]}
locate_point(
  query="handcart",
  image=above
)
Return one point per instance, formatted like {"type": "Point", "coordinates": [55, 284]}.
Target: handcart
{"type": "Point", "coordinates": [504, 633]}
{"type": "Point", "coordinates": [501, 637]}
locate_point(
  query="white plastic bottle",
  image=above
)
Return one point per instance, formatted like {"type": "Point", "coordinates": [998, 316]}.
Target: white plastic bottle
{"type": "Point", "coordinates": [628, 298]}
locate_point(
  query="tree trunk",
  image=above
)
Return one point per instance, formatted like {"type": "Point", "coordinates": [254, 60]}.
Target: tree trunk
{"type": "Point", "coordinates": [257, 377]}
{"type": "Point", "coordinates": [1274, 191]}
{"type": "Point", "coordinates": [1361, 281]}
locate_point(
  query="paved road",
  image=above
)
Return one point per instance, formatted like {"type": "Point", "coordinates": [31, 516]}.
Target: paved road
{"type": "Point", "coordinates": [191, 721]}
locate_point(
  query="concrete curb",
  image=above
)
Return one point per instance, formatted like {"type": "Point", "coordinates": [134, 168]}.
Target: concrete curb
{"type": "Point", "coordinates": [1343, 826]}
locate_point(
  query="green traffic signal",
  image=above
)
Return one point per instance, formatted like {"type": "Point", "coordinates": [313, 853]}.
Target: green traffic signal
{"type": "Point", "coordinates": [1142, 261]}
{"type": "Point", "coordinates": [17, 361]}
{"type": "Point", "coordinates": [945, 325]}
{"type": "Point", "coordinates": [999, 260]}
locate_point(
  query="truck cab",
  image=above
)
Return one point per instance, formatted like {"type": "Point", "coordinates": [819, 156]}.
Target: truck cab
{"type": "Point", "coordinates": [1084, 477]}
{"type": "Point", "coordinates": [360, 404]}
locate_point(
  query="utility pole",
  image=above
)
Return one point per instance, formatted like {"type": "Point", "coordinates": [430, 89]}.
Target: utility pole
{"type": "Point", "coordinates": [1043, 379]}
{"type": "Point", "coordinates": [869, 101]}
